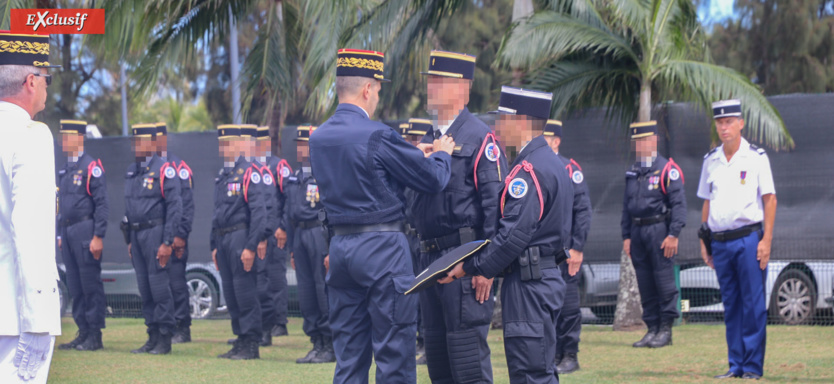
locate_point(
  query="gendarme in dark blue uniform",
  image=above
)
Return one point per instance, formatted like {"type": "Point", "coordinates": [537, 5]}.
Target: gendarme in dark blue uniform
{"type": "Point", "coordinates": [82, 215]}
{"type": "Point", "coordinates": [569, 324]}
{"type": "Point", "coordinates": [456, 324]}
{"type": "Point", "coordinates": [153, 210]}
{"type": "Point", "coordinates": [654, 208]}
{"type": "Point", "coordinates": [179, 285]}
{"type": "Point", "coordinates": [238, 225]}
{"type": "Point", "coordinates": [362, 167]}
{"type": "Point", "coordinates": [533, 231]}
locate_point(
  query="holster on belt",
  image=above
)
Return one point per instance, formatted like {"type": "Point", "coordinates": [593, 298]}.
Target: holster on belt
{"type": "Point", "coordinates": [125, 229]}
{"type": "Point", "coordinates": [705, 234]}
{"type": "Point", "coordinates": [528, 263]}
{"type": "Point", "coordinates": [328, 233]}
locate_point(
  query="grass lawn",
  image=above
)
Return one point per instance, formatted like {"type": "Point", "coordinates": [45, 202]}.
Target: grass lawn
{"type": "Point", "coordinates": [794, 354]}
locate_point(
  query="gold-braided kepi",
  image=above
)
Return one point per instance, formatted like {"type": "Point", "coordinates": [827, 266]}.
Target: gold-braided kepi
{"type": "Point", "coordinates": [361, 63]}
{"type": "Point", "coordinates": [21, 49]}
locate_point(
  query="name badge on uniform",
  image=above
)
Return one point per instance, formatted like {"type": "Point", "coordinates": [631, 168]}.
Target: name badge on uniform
{"type": "Point", "coordinates": [743, 176]}
{"type": "Point", "coordinates": [312, 194]}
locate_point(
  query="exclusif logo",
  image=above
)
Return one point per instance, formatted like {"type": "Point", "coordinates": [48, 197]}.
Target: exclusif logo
{"type": "Point", "coordinates": [57, 21]}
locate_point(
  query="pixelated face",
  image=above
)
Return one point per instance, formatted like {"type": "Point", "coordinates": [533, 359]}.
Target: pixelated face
{"type": "Point", "coordinates": [646, 146]}
{"type": "Point", "coordinates": [72, 143]}
{"type": "Point", "coordinates": [514, 131]}
{"type": "Point", "coordinates": [413, 139]}
{"type": "Point", "coordinates": [263, 147]}
{"type": "Point", "coordinates": [445, 92]}
{"type": "Point", "coordinates": [227, 149]}
{"type": "Point", "coordinates": [143, 146]}
{"type": "Point", "coordinates": [729, 128]}
{"type": "Point", "coordinates": [303, 151]}
{"type": "Point", "coordinates": [161, 142]}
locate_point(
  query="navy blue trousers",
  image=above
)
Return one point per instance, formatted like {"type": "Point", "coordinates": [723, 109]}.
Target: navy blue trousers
{"type": "Point", "coordinates": [530, 310]}
{"type": "Point", "coordinates": [569, 324]}
{"type": "Point", "coordinates": [455, 328]}
{"type": "Point", "coordinates": [276, 270]}
{"type": "Point", "coordinates": [265, 296]}
{"type": "Point", "coordinates": [179, 288]}
{"type": "Point", "coordinates": [369, 314]}
{"type": "Point", "coordinates": [655, 274]}
{"type": "Point", "coordinates": [309, 250]}
{"type": "Point", "coordinates": [240, 288]}
{"type": "Point", "coordinates": [83, 276]}
{"type": "Point", "coordinates": [153, 280]}
{"type": "Point", "coordinates": [743, 293]}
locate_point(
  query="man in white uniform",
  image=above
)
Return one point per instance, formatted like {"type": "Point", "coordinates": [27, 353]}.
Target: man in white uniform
{"type": "Point", "coordinates": [739, 210]}
{"type": "Point", "coordinates": [29, 319]}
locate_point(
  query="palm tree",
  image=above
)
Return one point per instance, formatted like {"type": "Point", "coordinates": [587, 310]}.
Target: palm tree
{"type": "Point", "coordinates": [627, 55]}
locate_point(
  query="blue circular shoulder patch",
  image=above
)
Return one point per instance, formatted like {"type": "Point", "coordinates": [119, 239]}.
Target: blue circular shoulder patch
{"type": "Point", "coordinates": [674, 174]}
{"type": "Point", "coordinates": [491, 152]}
{"type": "Point", "coordinates": [518, 188]}
{"type": "Point", "coordinates": [267, 179]}
{"type": "Point", "coordinates": [285, 171]}
{"type": "Point", "coordinates": [96, 171]}
{"type": "Point", "coordinates": [170, 172]}
{"type": "Point", "coordinates": [184, 174]}
{"type": "Point", "coordinates": [255, 178]}
{"type": "Point", "coordinates": [578, 177]}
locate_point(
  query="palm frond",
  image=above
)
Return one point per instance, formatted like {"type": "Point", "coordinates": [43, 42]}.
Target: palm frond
{"type": "Point", "coordinates": [706, 83]}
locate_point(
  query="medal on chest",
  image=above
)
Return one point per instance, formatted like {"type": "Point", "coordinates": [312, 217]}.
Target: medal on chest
{"type": "Point", "coordinates": [312, 194]}
{"type": "Point", "coordinates": [76, 179]}
{"type": "Point", "coordinates": [654, 182]}
{"type": "Point", "coordinates": [232, 189]}
{"type": "Point", "coordinates": [147, 183]}
{"type": "Point", "coordinates": [743, 176]}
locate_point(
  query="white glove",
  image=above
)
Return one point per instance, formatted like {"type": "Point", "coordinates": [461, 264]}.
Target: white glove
{"type": "Point", "coordinates": [32, 350]}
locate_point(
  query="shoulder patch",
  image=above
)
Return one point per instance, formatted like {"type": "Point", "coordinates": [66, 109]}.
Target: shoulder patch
{"type": "Point", "coordinates": [285, 171]}
{"type": "Point", "coordinates": [170, 172]}
{"type": "Point", "coordinates": [255, 177]}
{"type": "Point", "coordinates": [578, 177]}
{"type": "Point", "coordinates": [293, 179]}
{"type": "Point", "coordinates": [492, 152]}
{"type": "Point", "coordinates": [96, 172]}
{"type": "Point", "coordinates": [630, 173]}
{"type": "Point", "coordinates": [710, 152]}
{"type": "Point", "coordinates": [757, 149]}
{"type": "Point", "coordinates": [518, 188]}
{"type": "Point", "coordinates": [674, 174]}
{"type": "Point", "coordinates": [267, 179]}
{"type": "Point", "coordinates": [184, 174]}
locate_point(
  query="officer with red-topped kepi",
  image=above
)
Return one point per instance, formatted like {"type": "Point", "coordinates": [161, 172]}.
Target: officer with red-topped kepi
{"type": "Point", "coordinates": [153, 211]}
{"type": "Point", "coordinates": [456, 317]}
{"type": "Point", "coordinates": [654, 212]}
{"type": "Point", "coordinates": [82, 222]}
{"type": "Point", "coordinates": [531, 239]}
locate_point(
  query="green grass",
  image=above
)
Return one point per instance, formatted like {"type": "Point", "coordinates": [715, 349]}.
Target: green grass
{"type": "Point", "coordinates": [794, 354]}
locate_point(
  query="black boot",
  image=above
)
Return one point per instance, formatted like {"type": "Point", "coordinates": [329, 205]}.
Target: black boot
{"type": "Point", "coordinates": [569, 364]}
{"type": "Point", "coordinates": [279, 330]}
{"type": "Point", "coordinates": [232, 341]}
{"type": "Point", "coordinates": [182, 335]}
{"type": "Point", "coordinates": [236, 344]}
{"type": "Point", "coordinates": [663, 337]}
{"type": "Point", "coordinates": [153, 338]}
{"type": "Point", "coordinates": [317, 345]}
{"type": "Point", "coordinates": [80, 336]}
{"type": "Point", "coordinates": [248, 349]}
{"type": "Point", "coordinates": [644, 342]}
{"type": "Point", "coordinates": [92, 343]}
{"type": "Point", "coordinates": [421, 352]}
{"type": "Point", "coordinates": [326, 354]}
{"type": "Point", "coordinates": [266, 339]}
{"type": "Point", "coordinates": [558, 359]}
{"type": "Point", "coordinates": [163, 346]}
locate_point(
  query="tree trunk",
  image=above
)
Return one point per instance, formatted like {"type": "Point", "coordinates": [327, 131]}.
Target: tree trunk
{"type": "Point", "coordinates": [629, 311]}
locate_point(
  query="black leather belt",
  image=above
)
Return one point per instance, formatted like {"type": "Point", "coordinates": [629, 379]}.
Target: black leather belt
{"type": "Point", "coordinates": [649, 220]}
{"type": "Point", "coordinates": [68, 222]}
{"type": "Point", "coordinates": [454, 239]}
{"type": "Point", "coordinates": [227, 230]}
{"type": "Point", "coordinates": [343, 230]}
{"type": "Point", "coordinates": [307, 224]}
{"type": "Point", "coordinates": [546, 262]}
{"type": "Point", "coordinates": [145, 224]}
{"type": "Point", "coordinates": [735, 234]}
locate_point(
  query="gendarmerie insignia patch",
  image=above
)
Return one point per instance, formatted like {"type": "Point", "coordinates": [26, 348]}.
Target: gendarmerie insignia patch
{"type": "Point", "coordinates": [184, 174]}
{"type": "Point", "coordinates": [170, 173]}
{"type": "Point", "coordinates": [255, 178]}
{"type": "Point", "coordinates": [674, 174]}
{"type": "Point", "coordinates": [267, 179]}
{"type": "Point", "coordinates": [96, 171]}
{"type": "Point", "coordinates": [518, 188]}
{"type": "Point", "coordinates": [578, 177]}
{"type": "Point", "coordinates": [491, 151]}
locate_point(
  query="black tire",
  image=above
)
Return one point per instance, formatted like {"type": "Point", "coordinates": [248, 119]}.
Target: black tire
{"type": "Point", "coordinates": [63, 293]}
{"type": "Point", "coordinates": [204, 295]}
{"type": "Point", "coordinates": [793, 300]}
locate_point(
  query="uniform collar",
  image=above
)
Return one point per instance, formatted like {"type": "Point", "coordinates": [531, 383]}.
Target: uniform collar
{"type": "Point", "coordinates": [531, 147]}
{"type": "Point", "coordinates": [15, 110]}
{"type": "Point", "coordinates": [743, 151]}
{"type": "Point", "coordinates": [353, 108]}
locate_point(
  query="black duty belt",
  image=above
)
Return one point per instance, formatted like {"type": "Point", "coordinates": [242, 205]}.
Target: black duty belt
{"type": "Point", "coordinates": [307, 224]}
{"type": "Point", "coordinates": [454, 239]}
{"type": "Point", "coordinates": [735, 234]}
{"type": "Point", "coordinates": [227, 230]}
{"type": "Point", "coordinates": [343, 230]}
{"type": "Point", "coordinates": [638, 221]}
{"type": "Point", "coordinates": [544, 262]}
{"type": "Point", "coordinates": [145, 224]}
{"type": "Point", "coordinates": [71, 222]}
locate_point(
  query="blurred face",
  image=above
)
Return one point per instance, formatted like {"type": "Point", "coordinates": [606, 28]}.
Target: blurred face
{"type": "Point", "coordinates": [445, 93]}
{"type": "Point", "coordinates": [413, 139]}
{"type": "Point", "coordinates": [514, 131]}
{"type": "Point", "coordinates": [303, 152]}
{"type": "Point", "coordinates": [729, 129]}
{"type": "Point", "coordinates": [263, 147]}
{"type": "Point", "coordinates": [143, 147]}
{"type": "Point", "coordinates": [646, 146]}
{"type": "Point", "coordinates": [72, 143]}
{"type": "Point", "coordinates": [161, 143]}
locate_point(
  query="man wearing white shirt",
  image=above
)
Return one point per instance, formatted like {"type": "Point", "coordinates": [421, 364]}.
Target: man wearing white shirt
{"type": "Point", "coordinates": [29, 297]}
{"type": "Point", "coordinates": [738, 214]}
